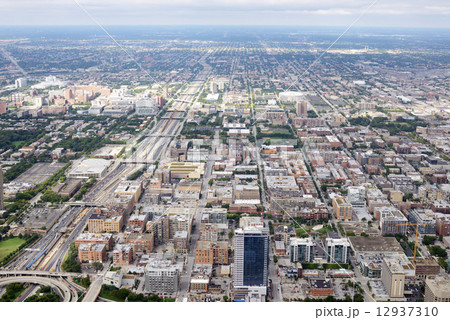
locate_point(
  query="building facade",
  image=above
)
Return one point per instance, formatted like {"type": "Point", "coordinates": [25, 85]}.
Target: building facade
{"type": "Point", "coordinates": [301, 250]}
{"type": "Point", "coordinates": [338, 250]}
{"type": "Point", "coordinates": [251, 257]}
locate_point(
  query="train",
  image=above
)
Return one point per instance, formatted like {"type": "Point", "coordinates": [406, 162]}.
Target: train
{"type": "Point", "coordinates": [42, 253]}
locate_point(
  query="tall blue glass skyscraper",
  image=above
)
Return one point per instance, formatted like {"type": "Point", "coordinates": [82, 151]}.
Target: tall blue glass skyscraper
{"type": "Point", "coordinates": [251, 257]}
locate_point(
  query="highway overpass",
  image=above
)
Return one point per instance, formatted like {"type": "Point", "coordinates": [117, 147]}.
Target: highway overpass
{"type": "Point", "coordinates": [61, 288]}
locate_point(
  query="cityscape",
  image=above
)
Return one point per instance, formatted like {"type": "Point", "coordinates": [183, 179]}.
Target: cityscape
{"type": "Point", "coordinates": [224, 164]}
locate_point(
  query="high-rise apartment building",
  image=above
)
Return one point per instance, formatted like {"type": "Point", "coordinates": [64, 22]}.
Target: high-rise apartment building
{"type": "Point", "coordinates": [301, 249]}
{"type": "Point", "coordinates": [338, 250]}
{"type": "Point", "coordinates": [21, 82]}
{"type": "Point", "coordinates": [302, 108]}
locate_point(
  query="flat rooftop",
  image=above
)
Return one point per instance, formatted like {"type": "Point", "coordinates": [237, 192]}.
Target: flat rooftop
{"type": "Point", "coordinates": [375, 244]}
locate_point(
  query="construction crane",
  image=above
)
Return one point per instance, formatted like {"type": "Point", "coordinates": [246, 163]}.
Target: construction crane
{"type": "Point", "coordinates": [417, 235]}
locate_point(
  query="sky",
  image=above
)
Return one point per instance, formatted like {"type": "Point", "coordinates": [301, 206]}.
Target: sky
{"type": "Point", "coordinates": [385, 13]}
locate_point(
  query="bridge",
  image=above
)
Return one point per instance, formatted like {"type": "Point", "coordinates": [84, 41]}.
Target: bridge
{"type": "Point", "coordinates": [94, 290]}
{"type": "Point", "coordinates": [37, 273]}
{"type": "Point", "coordinates": [53, 279]}
{"type": "Point", "coordinates": [160, 135]}
{"type": "Point", "coordinates": [131, 161]}
{"type": "Point", "coordinates": [83, 204]}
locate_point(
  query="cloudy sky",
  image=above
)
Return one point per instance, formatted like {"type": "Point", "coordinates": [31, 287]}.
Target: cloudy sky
{"type": "Point", "coordinates": [396, 13]}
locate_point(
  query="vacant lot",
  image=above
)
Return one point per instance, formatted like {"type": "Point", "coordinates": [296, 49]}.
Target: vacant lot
{"type": "Point", "coordinates": [7, 246]}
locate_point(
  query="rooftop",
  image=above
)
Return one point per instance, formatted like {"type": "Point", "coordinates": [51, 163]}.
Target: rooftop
{"type": "Point", "coordinates": [375, 244]}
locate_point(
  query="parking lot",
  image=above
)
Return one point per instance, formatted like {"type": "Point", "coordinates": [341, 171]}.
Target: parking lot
{"type": "Point", "coordinates": [413, 292]}
{"type": "Point", "coordinates": [39, 172]}
{"type": "Point", "coordinates": [342, 289]}
{"type": "Point", "coordinates": [41, 217]}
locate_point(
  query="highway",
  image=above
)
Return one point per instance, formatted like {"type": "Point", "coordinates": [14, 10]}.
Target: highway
{"type": "Point", "coordinates": [60, 287]}
{"type": "Point", "coordinates": [27, 293]}
{"type": "Point", "coordinates": [48, 253]}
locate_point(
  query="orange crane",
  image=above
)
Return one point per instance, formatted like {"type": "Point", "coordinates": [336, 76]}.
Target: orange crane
{"type": "Point", "coordinates": [417, 235]}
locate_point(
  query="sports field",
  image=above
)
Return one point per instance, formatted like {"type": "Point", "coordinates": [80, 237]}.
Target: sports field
{"type": "Point", "coordinates": [7, 246]}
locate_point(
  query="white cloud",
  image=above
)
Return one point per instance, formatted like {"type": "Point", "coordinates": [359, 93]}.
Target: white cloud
{"type": "Point", "coordinates": [340, 12]}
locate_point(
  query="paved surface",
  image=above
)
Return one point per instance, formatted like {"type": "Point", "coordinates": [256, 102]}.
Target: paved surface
{"type": "Point", "coordinates": [62, 289]}
{"type": "Point", "coordinates": [94, 290]}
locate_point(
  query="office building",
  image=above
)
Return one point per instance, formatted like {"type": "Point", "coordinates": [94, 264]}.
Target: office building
{"type": "Point", "coordinates": [214, 215]}
{"type": "Point", "coordinates": [250, 294]}
{"type": "Point", "coordinates": [251, 257]}
{"type": "Point", "coordinates": [137, 222]}
{"type": "Point", "coordinates": [214, 88]}
{"type": "Point", "coordinates": [99, 223]}
{"type": "Point", "coordinates": [132, 188]}
{"type": "Point", "coordinates": [426, 268]}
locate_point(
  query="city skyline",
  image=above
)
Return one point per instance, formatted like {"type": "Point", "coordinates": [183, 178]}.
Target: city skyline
{"type": "Point", "coordinates": [213, 163]}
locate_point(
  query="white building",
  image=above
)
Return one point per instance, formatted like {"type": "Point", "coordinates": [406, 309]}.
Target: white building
{"type": "Point", "coordinates": [338, 250]}
{"type": "Point", "coordinates": [301, 249]}
{"type": "Point", "coordinates": [90, 168]}
{"type": "Point", "coordinates": [21, 82]}
{"type": "Point", "coordinates": [290, 97]}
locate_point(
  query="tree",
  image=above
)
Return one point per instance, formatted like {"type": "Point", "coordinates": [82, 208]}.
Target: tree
{"type": "Point", "coordinates": [97, 265]}
{"type": "Point", "coordinates": [71, 264]}
{"type": "Point", "coordinates": [427, 240]}
{"type": "Point", "coordinates": [438, 251]}
{"type": "Point", "coordinates": [51, 196]}
{"type": "Point", "coordinates": [86, 282]}
{"type": "Point", "coordinates": [230, 234]}
{"type": "Point", "coordinates": [275, 259]}
{"type": "Point", "coordinates": [358, 298]}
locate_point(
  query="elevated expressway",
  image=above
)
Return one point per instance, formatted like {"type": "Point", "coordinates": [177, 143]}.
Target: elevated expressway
{"type": "Point", "coordinates": [63, 288]}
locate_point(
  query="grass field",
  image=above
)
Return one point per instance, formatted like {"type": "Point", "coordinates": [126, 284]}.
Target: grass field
{"type": "Point", "coordinates": [7, 246]}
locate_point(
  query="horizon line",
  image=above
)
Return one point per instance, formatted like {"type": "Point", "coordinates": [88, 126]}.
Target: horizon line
{"type": "Point", "coordinates": [218, 25]}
